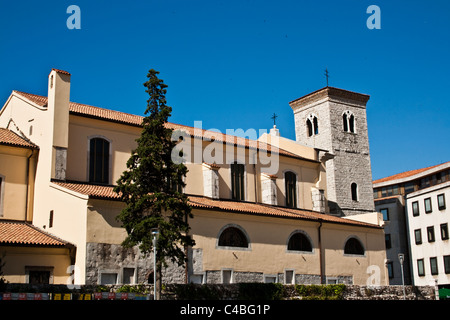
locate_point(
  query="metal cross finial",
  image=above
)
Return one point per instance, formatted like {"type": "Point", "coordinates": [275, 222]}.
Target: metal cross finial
{"type": "Point", "coordinates": [274, 117]}
{"type": "Point", "coordinates": [327, 75]}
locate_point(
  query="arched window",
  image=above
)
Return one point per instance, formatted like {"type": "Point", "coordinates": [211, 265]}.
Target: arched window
{"type": "Point", "coordinates": [351, 123]}
{"type": "Point", "coordinates": [290, 183]}
{"type": "Point", "coordinates": [309, 127]}
{"type": "Point", "coordinates": [237, 181]}
{"type": "Point", "coordinates": [99, 160]}
{"type": "Point", "coordinates": [299, 242]}
{"type": "Point", "coordinates": [354, 191]}
{"type": "Point", "coordinates": [345, 122]}
{"type": "Point", "coordinates": [348, 122]}
{"type": "Point", "coordinates": [233, 237]}
{"type": "Point", "coordinates": [354, 246]}
{"type": "Point", "coordinates": [312, 125]}
{"type": "Point", "coordinates": [316, 125]}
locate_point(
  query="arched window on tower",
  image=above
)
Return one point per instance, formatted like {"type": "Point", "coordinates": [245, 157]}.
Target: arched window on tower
{"type": "Point", "coordinates": [312, 125]}
{"type": "Point", "coordinates": [354, 191]}
{"type": "Point", "coordinates": [348, 122]}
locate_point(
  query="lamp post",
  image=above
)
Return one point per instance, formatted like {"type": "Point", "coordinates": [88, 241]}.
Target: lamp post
{"type": "Point", "coordinates": [401, 258]}
{"type": "Point", "coordinates": [155, 233]}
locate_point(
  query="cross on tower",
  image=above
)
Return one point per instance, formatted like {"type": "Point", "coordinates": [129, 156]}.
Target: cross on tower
{"type": "Point", "coordinates": [274, 118]}
{"type": "Point", "coordinates": [327, 75]}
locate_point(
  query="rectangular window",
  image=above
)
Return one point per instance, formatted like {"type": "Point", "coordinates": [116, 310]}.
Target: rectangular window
{"type": "Point", "coordinates": [387, 238]}
{"type": "Point", "coordinates": [290, 184]}
{"type": "Point", "coordinates": [108, 278]}
{"type": "Point", "coordinates": [98, 160]}
{"type": "Point", "coordinates": [427, 203]}
{"type": "Point", "coordinates": [447, 264]}
{"type": "Point", "coordinates": [430, 233]}
{"type": "Point", "coordinates": [420, 267]}
{"type": "Point", "coordinates": [128, 276]}
{"type": "Point", "coordinates": [425, 182]}
{"type": "Point", "coordinates": [434, 266]}
{"type": "Point", "coordinates": [409, 187]}
{"type": "Point", "coordinates": [1, 198]}
{"type": "Point", "coordinates": [385, 212]}
{"type": "Point", "coordinates": [50, 219]}
{"type": "Point", "coordinates": [226, 276]}
{"type": "Point", "coordinates": [289, 277]}
{"type": "Point", "coordinates": [415, 208]}
{"type": "Point", "coordinates": [390, 269]}
{"type": "Point", "coordinates": [444, 231]}
{"type": "Point", "coordinates": [383, 192]}
{"type": "Point", "coordinates": [375, 193]}
{"type": "Point", "coordinates": [441, 201]}
{"type": "Point", "coordinates": [395, 190]}
{"type": "Point", "coordinates": [418, 236]}
{"type": "Point", "coordinates": [237, 181]}
{"type": "Point", "coordinates": [270, 279]}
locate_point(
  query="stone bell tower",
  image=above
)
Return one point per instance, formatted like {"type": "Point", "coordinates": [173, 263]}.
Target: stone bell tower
{"type": "Point", "coordinates": [334, 119]}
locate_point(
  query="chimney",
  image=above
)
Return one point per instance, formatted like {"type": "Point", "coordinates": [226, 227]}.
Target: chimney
{"type": "Point", "coordinates": [274, 131]}
{"type": "Point", "coordinates": [58, 108]}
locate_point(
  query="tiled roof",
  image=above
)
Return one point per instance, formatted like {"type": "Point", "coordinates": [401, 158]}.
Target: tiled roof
{"type": "Point", "coordinates": [200, 202]}
{"type": "Point", "coordinates": [406, 174]}
{"type": "Point", "coordinates": [22, 233]}
{"type": "Point", "coordinates": [7, 137]}
{"type": "Point", "coordinates": [135, 120]}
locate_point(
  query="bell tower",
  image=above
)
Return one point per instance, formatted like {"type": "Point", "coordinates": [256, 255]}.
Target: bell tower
{"type": "Point", "coordinates": [334, 120]}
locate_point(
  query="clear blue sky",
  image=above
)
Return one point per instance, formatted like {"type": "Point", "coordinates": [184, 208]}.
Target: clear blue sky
{"type": "Point", "coordinates": [232, 64]}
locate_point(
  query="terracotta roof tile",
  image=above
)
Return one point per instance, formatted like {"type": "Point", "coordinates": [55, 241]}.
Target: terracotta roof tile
{"type": "Point", "coordinates": [406, 174]}
{"type": "Point", "coordinates": [135, 120]}
{"type": "Point", "coordinates": [7, 137]}
{"type": "Point", "coordinates": [22, 233]}
{"type": "Point", "coordinates": [200, 202]}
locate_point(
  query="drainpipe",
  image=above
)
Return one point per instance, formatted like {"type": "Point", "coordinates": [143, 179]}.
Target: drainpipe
{"type": "Point", "coordinates": [28, 184]}
{"type": "Point", "coordinates": [322, 276]}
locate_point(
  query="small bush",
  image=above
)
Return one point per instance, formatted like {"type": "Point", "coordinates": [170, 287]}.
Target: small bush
{"type": "Point", "coordinates": [321, 292]}
{"type": "Point", "coordinates": [261, 291]}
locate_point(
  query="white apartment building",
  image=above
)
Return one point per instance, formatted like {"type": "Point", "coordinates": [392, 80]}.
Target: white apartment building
{"type": "Point", "coordinates": [428, 218]}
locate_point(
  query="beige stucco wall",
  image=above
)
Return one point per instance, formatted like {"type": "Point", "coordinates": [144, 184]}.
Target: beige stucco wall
{"type": "Point", "coordinates": [18, 258]}
{"type": "Point", "coordinates": [13, 171]}
{"type": "Point", "coordinates": [268, 242]}
{"type": "Point", "coordinates": [102, 226]}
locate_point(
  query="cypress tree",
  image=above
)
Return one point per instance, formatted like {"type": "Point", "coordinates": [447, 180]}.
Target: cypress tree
{"type": "Point", "coordinates": [151, 187]}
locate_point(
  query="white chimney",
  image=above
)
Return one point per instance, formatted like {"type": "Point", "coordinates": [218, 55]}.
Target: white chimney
{"type": "Point", "coordinates": [58, 108]}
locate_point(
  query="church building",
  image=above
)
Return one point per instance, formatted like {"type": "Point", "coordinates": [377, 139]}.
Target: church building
{"type": "Point", "coordinates": [265, 210]}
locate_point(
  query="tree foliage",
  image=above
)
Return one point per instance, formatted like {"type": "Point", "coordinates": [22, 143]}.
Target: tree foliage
{"type": "Point", "coordinates": [151, 185]}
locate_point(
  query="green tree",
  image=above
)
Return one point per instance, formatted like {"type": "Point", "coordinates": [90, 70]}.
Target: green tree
{"type": "Point", "coordinates": [151, 187]}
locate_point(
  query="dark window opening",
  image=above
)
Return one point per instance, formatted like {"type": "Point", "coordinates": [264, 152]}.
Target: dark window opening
{"type": "Point", "coordinates": [352, 123]}
{"type": "Point", "coordinates": [299, 242]}
{"type": "Point", "coordinates": [290, 180]}
{"type": "Point", "coordinates": [99, 161]}
{"type": "Point", "coordinates": [233, 237]}
{"type": "Point", "coordinates": [344, 120]}
{"type": "Point", "coordinates": [354, 191]}
{"type": "Point", "coordinates": [309, 127]}
{"type": "Point", "coordinates": [237, 181]}
{"type": "Point", "coordinates": [353, 246]}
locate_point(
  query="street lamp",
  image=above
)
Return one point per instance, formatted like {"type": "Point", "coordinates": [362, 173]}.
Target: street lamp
{"type": "Point", "coordinates": [155, 233]}
{"type": "Point", "coordinates": [401, 258]}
